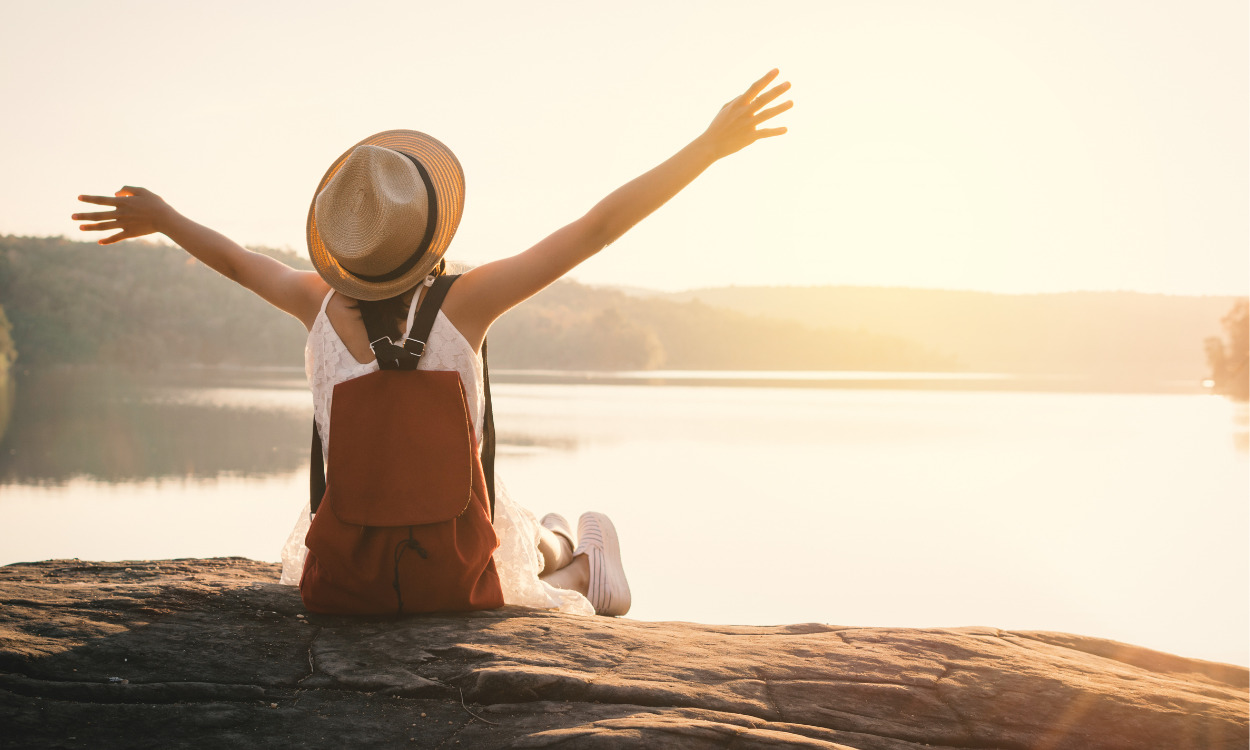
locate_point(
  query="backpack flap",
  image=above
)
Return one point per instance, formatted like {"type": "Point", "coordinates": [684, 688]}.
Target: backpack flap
{"type": "Point", "coordinates": [403, 449]}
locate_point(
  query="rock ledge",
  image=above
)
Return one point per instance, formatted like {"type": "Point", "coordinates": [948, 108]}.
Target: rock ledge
{"type": "Point", "coordinates": [208, 653]}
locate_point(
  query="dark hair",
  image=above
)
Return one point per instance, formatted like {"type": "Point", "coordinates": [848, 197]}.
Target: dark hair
{"type": "Point", "coordinates": [390, 314]}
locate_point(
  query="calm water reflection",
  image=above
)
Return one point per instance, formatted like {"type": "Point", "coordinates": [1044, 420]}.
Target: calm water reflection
{"type": "Point", "coordinates": [1117, 515]}
{"type": "Point", "coordinates": [115, 427]}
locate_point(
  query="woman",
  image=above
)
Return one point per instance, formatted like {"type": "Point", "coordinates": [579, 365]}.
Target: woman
{"type": "Point", "coordinates": [378, 228]}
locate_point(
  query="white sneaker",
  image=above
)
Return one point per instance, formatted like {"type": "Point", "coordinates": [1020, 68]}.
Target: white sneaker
{"type": "Point", "coordinates": [608, 591]}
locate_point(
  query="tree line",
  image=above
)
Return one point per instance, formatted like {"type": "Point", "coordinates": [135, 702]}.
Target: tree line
{"type": "Point", "coordinates": [1131, 338]}
{"type": "Point", "coordinates": [133, 304]}
{"type": "Point", "coordinates": [143, 305]}
{"type": "Point", "coordinates": [8, 354]}
{"type": "Point", "coordinates": [1229, 357]}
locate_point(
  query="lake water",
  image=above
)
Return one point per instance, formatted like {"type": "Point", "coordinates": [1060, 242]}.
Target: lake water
{"type": "Point", "coordinates": [1123, 516]}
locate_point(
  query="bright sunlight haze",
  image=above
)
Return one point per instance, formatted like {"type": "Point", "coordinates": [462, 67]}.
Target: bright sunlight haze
{"type": "Point", "coordinates": [1009, 147]}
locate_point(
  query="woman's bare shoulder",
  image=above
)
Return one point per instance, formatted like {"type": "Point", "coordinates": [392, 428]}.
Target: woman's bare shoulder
{"type": "Point", "coordinates": [310, 291]}
{"type": "Point", "coordinates": [464, 307]}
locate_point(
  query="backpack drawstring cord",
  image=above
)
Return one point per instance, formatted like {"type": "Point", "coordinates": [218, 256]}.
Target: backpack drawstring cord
{"type": "Point", "coordinates": [404, 545]}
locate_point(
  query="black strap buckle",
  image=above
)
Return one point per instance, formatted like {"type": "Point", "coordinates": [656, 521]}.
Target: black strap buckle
{"type": "Point", "coordinates": [404, 357]}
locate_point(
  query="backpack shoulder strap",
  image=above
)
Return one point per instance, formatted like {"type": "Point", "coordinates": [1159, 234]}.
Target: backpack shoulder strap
{"type": "Point", "coordinates": [426, 315]}
{"type": "Point", "coordinates": [488, 436]}
{"type": "Point", "coordinates": [316, 473]}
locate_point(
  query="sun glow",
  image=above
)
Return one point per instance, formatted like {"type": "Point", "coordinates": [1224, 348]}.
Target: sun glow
{"type": "Point", "coordinates": [1009, 147]}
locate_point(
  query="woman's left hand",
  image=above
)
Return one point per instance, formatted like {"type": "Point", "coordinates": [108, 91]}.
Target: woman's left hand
{"type": "Point", "coordinates": [136, 211]}
{"type": "Point", "coordinates": [736, 126]}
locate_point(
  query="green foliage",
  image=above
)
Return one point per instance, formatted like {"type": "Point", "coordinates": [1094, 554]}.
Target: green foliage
{"type": "Point", "coordinates": [557, 337]}
{"type": "Point", "coordinates": [571, 326]}
{"type": "Point", "coordinates": [140, 304]}
{"type": "Point", "coordinates": [135, 304]}
{"type": "Point", "coordinates": [1128, 338]}
{"type": "Point", "coordinates": [8, 351]}
{"type": "Point", "coordinates": [1229, 358]}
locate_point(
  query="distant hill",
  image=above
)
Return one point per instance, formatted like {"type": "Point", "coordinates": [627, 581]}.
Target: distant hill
{"type": "Point", "coordinates": [8, 353]}
{"type": "Point", "coordinates": [135, 304]}
{"type": "Point", "coordinates": [1110, 335]}
{"type": "Point", "coordinates": [142, 304]}
{"type": "Point", "coordinates": [573, 326]}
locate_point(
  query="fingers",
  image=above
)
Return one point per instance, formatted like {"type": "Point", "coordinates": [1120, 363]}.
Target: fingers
{"type": "Point", "coordinates": [759, 85]}
{"type": "Point", "coordinates": [122, 216]}
{"type": "Point", "coordinates": [770, 95]}
{"type": "Point", "coordinates": [104, 225]}
{"type": "Point", "coordinates": [772, 112]}
{"type": "Point", "coordinates": [95, 216]}
{"type": "Point", "coordinates": [100, 200]}
{"type": "Point", "coordinates": [124, 235]}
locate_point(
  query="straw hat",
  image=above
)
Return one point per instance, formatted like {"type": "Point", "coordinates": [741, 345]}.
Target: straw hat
{"type": "Point", "coordinates": [384, 214]}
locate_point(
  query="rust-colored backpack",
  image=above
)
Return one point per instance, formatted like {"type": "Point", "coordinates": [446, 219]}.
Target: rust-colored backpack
{"type": "Point", "coordinates": [404, 524]}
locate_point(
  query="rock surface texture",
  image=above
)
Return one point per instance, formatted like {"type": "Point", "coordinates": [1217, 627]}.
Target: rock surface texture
{"type": "Point", "coordinates": [215, 653]}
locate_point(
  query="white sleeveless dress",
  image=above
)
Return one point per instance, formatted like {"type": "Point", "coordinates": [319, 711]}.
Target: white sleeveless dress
{"type": "Point", "coordinates": [327, 363]}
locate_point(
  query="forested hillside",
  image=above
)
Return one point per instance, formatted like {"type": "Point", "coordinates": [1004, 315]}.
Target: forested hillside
{"type": "Point", "coordinates": [143, 304]}
{"type": "Point", "coordinates": [1114, 335]}
{"type": "Point", "coordinates": [8, 353]}
{"type": "Point", "coordinates": [134, 303]}
{"type": "Point", "coordinates": [573, 326]}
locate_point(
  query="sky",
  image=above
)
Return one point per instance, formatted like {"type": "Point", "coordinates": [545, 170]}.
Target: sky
{"type": "Point", "coordinates": [992, 145]}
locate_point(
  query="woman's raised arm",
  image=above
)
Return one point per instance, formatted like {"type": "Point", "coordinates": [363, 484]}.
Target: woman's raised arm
{"type": "Point", "coordinates": [138, 212]}
{"type": "Point", "coordinates": [490, 290]}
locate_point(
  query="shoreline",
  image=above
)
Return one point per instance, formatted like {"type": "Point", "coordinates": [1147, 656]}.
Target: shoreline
{"type": "Point", "coordinates": [291, 377]}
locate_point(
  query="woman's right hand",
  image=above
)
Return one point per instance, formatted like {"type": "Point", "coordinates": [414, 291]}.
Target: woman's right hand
{"type": "Point", "coordinates": [136, 212]}
{"type": "Point", "coordinates": [736, 126]}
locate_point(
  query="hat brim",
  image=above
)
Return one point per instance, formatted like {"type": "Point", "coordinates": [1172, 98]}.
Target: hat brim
{"type": "Point", "coordinates": [446, 176]}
